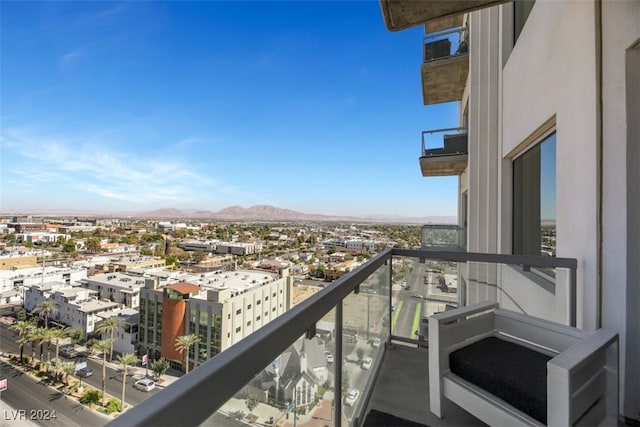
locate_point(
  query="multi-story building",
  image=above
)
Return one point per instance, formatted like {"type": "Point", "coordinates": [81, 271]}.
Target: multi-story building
{"type": "Point", "coordinates": [77, 307]}
{"type": "Point", "coordinates": [546, 150]}
{"type": "Point", "coordinates": [236, 248]}
{"type": "Point", "coordinates": [125, 336]}
{"type": "Point", "coordinates": [25, 277]}
{"type": "Point", "coordinates": [220, 308]}
{"type": "Point", "coordinates": [124, 264]}
{"type": "Point", "coordinates": [116, 287]}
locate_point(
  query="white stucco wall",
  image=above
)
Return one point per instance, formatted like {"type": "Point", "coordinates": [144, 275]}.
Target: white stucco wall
{"type": "Point", "coordinates": [621, 197]}
{"type": "Point", "coordinates": [551, 72]}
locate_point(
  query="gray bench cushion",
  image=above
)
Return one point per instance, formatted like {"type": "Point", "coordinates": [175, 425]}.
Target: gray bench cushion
{"type": "Point", "coordinates": [515, 374]}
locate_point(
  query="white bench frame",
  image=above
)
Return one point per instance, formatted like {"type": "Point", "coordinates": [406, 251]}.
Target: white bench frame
{"type": "Point", "coordinates": [582, 376]}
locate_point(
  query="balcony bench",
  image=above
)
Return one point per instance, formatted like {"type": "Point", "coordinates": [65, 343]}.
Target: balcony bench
{"type": "Point", "coordinates": [506, 368]}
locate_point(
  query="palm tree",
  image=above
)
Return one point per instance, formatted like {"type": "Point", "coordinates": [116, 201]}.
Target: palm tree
{"type": "Point", "coordinates": [23, 327]}
{"type": "Point", "coordinates": [47, 336]}
{"type": "Point", "coordinates": [67, 368]}
{"type": "Point", "coordinates": [110, 325]}
{"type": "Point", "coordinates": [37, 334]}
{"type": "Point", "coordinates": [57, 335]}
{"type": "Point", "coordinates": [126, 360]}
{"type": "Point", "coordinates": [103, 346]}
{"type": "Point", "coordinates": [46, 308]}
{"type": "Point", "coordinates": [183, 344]}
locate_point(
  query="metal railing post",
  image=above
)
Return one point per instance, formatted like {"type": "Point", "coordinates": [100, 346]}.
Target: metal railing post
{"type": "Point", "coordinates": [337, 396]}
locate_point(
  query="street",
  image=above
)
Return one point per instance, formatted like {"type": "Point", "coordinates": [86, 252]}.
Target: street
{"type": "Point", "coordinates": [34, 401]}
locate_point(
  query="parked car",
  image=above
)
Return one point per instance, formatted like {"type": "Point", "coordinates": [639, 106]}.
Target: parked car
{"type": "Point", "coordinates": [84, 372]}
{"type": "Point", "coordinates": [366, 363]}
{"type": "Point", "coordinates": [375, 343]}
{"type": "Point", "coordinates": [69, 352]}
{"type": "Point", "coordinates": [328, 356]}
{"type": "Point", "coordinates": [145, 384]}
{"type": "Point", "coordinates": [352, 396]}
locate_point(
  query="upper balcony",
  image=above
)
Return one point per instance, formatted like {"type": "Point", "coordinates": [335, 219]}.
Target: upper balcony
{"type": "Point", "coordinates": [403, 14]}
{"type": "Point", "coordinates": [445, 65]}
{"type": "Point", "coordinates": [357, 345]}
{"type": "Point", "coordinates": [444, 157]}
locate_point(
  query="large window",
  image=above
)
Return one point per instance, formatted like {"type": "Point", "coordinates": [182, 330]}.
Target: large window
{"type": "Point", "coordinates": [534, 199]}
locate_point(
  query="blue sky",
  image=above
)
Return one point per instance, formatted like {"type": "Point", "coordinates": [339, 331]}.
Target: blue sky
{"type": "Point", "coordinates": [306, 105]}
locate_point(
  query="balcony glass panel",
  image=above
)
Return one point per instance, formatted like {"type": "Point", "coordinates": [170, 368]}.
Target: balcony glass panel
{"type": "Point", "coordinates": [443, 237]}
{"type": "Point", "coordinates": [445, 44]}
{"type": "Point", "coordinates": [421, 288]}
{"type": "Point", "coordinates": [297, 386]}
{"type": "Point", "coordinates": [364, 333]}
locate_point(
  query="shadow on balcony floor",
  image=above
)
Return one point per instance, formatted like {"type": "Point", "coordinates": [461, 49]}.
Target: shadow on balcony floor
{"type": "Point", "coordinates": [402, 389]}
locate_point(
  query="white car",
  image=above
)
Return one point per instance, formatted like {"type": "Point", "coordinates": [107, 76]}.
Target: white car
{"type": "Point", "coordinates": [375, 343]}
{"type": "Point", "coordinates": [366, 363]}
{"type": "Point", "coordinates": [145, 384]}
{"type": "Point", "coordinates": [352, 396]}
{"type": "Point", "coordinates": [328, 356]}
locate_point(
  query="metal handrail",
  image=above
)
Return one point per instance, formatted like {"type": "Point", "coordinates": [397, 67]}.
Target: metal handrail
{"type": "Point", "coordinates": [460, 130]}
{"type": "Point", "coordinates": [209, 387]}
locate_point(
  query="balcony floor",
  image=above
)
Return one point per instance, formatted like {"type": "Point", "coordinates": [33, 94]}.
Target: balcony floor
{"type": "Point", "coordinates": [402, 389]}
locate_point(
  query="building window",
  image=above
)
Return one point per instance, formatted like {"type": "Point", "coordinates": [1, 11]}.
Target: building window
{"type": "Point", "coordinates": [238, 311]}
{"type": "Point", "coordinates": [534, 199]}
{"type": "Point", "coordinates": [521, 11]}
{"type": "Point", "coordinates": [249, 307]}
{"type": "Point", "coordinates": [238, 329]}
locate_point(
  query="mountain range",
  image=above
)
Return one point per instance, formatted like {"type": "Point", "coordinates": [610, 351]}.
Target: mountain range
{"type": "Point", "coordinates": [272, 213]}
{"type": "Point", "coordinates": [238, 213]}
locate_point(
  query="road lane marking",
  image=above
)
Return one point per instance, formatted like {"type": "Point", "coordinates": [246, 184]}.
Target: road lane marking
{"type": "Point", "coordinates": [416, 320]}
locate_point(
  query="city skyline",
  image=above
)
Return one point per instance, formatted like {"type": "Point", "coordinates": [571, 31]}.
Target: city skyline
{"type": "Point", "coordinates": [133, 107]}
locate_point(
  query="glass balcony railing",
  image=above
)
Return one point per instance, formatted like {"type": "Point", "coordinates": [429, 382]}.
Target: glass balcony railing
{"type": "Point", "coordinates": [445, 44]}
{"type": "Point", "coordinates": [318, 362]}
{"type": "Point", "coordinates": [444, 151]}
{"type": "Point", "coordinates": [444, 237]}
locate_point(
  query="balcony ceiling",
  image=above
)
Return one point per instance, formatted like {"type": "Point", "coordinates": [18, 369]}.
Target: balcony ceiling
{"type": "Point", "coordinates": [444, 80]}
{"type": "Point", "coordinates": [444, 23]}
{"type": "Point", "coordinates": [450, 165]}
{"type": "Point", "coordinates": [402, 14]}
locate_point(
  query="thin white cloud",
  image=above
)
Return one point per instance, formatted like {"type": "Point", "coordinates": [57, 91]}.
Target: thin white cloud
{"type": "Point", "coordinates": [102, 171]}
{"type": "Point", "coordinates": [102, 14]}
{"type": "Point", "coordinates": [71, 57]}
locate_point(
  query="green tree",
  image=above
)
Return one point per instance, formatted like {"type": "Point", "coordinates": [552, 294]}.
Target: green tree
{"type": "Point", "coordinates": [67, 368]}
{"type": "Point", "coordinates": [57, 335]}
{"type": "Point", "coordinates": [160, 367]}
{"type": "Point", "coordinates": [198, 256]}
{"type": "Point", "coordinates": [183, 344]}
{"type": "Point", "coordinates": [75, 335]}
{"type": "Point", "coordinates": [103, 346]}
{"type": "Point", "coordinates": [22, 327]}
{"type": "Point", "coordinates": [251, 402]}
{"type": "Point", "coordinates": [93, 245]}
{"type": "Point", "coordinates": [46, 308]}
{"type": "Point", "coordinates": [110, 325]}
{"type": "Point", "coordinates": [126, 360]}
{"type": "Point", "coordinates": [69, 246]}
